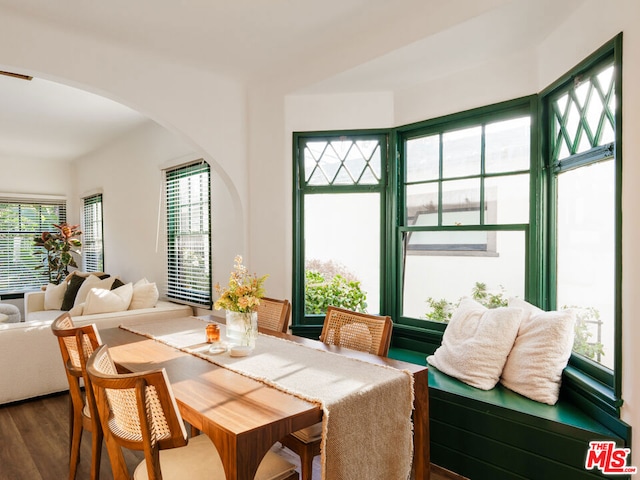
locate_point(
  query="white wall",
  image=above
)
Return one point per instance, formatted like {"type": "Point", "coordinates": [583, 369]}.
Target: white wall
{"type": "Point", "coordinates": [207, 111]}
{"type": "Point", "coordinates": [29, 176]}
{"type": "Point", "coordinates": [129, 175]}
{"type": "Point", "coordinates": [505, 78]}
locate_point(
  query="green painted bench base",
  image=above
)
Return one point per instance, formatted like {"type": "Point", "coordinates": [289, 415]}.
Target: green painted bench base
{"type": "Point", "coordinates": [498, 434]}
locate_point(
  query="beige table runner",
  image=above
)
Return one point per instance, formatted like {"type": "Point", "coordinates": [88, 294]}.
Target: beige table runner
{"type": "Point", "coordinates": [367, 408]}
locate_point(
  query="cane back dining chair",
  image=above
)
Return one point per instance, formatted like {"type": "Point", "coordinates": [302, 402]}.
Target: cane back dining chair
{"type": "Point", "coordinates": [274, 314]}
{"type": "Point", "coordinates": [138, 411]}
{"type": "Point", "coordinates": [348, 329]}
{"type": "Point", "coordinates": [76, 344]}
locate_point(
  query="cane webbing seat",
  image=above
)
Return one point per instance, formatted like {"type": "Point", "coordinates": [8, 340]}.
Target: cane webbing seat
{"type": "Point", "coordinates": [76, 345]}
{"type": "Point", "coordinates": [274, 314]}
{"type": "Point", "coordinates": [138, 411]}
{"type": "Point", "coordinates": [357, 331]}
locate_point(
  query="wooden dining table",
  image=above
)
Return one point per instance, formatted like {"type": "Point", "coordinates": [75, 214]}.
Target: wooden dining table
{"type": "Point", "coordinates": [245, 417]}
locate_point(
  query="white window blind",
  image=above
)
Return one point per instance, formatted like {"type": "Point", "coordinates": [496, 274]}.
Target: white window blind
{"type": "Point", "coordinates": [20, 222]}
{"type": "Point", "coordinates": [189, 233]}
{"type": "Point", "coordinates": [92, 245]}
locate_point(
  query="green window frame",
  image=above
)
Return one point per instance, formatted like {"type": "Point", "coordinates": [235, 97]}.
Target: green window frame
{"type": "Point", "coordinates": [92, 240]}
{"type": "Point", "coordinates": [22, 219]}
{"type": "Point", "coordinates": [472, 223]}
{"type": "Point", "coordinates": [595, 388]}
{"type": "Point", "coordinates": [569, 146]}
{"type": "Point", "coordinates": [344, 163]}
{"type": "Point", "coordinates": [188, 210]}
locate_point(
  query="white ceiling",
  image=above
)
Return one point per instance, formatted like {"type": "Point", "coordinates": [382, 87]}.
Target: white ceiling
{"type": "Point", "coordinates": [322, 46]}
{"type": "Point", "coordinates": [40, 119]}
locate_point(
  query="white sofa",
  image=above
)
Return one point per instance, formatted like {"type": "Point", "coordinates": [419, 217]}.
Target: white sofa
{"type": "Point", "coordinates": [30, 361]}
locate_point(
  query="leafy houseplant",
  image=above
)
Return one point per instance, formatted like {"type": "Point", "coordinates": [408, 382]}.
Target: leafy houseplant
{"type": "Point", "coordinates": [241, 299]}
{"type": "Point", "coordinates": [58, 249]}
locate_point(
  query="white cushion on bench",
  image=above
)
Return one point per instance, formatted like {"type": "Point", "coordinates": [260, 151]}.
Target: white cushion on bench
{"type": "Point", "coordinates": [476, 343]}
{"type": "Point", "coordinates": [540, 353]}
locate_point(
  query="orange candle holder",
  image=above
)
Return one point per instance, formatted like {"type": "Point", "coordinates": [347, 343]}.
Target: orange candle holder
{"type": "Point", "coordinates": [213, 333]}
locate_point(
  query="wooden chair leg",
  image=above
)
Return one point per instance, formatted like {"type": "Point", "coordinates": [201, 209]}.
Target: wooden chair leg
{"type": "Point", "coordinates": [76, 437]}
{"type": "Point", "coordinates": [96, 454]}
{"type": "Point", "coordinates": [71, 420]}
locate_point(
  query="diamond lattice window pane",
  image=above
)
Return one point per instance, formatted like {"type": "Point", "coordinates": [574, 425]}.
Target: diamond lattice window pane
{"type": "Point", "coordinates": [612, 105]}
{"type": "Point", "coordinates": [367, 148]}
{"type": "Point", "coordinates": [608, 134]}
{"type": "Point", "coordinates": [355, 163]}
{"type": "Point", "coordinates": [368, 177]}
{"type": "Point", "coordinates": [561, 104]}
{"type": "Point", "coordinates": [594, 113]}
{"type": "Point", "coordinates": [584, 115]}
{"type": "Point", "coordinates": [582, 93]}
{"type": "Point", "coordinates": [584, 144]}
{"type": "Point", "coordinates": [375, 164]}
{"type": "Point", "coordinates": [573, 123]}
{"type": "Point", "coordinates": [343, 162]}
{"type": "Point", "coordinates": [343, 177]}
{"type": "Point", "coordinates": [317, 178]}
{"type": "Point", "coordinates": [605, 79]}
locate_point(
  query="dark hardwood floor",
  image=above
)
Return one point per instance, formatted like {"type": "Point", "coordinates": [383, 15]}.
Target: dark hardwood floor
{"type": "Point", "coordinates": [34, 444]}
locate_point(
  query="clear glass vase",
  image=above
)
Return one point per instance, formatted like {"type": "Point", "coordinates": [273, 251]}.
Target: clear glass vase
{"type": "Point", "coordinates": [242, 328]}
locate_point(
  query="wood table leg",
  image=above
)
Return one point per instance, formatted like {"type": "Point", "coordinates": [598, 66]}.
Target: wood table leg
{"type": "Point", "coordinates": [421, 447]}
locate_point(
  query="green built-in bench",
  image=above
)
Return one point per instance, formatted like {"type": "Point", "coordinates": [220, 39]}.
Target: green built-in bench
{"type": "Point", "coordinates": [499, 434]}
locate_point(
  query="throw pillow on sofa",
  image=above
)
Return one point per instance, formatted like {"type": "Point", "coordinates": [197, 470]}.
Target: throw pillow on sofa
{"type": "Point", "coordinates": [101, 300]}
{"type": "Point", "coordinates": [54, 296]}
{"type": "Point", "coordinates": [540, 352]}
{"type": "Point", "coordinates": [73, 285]}
{"type": "Point", "coordinates": [145, 295]}
{"type": "Point", "coordinates": [74, 281]}
{"type": "Point", "coordinates": [476, 343]}
{"type": "Point", "coordinates": [92, 281]}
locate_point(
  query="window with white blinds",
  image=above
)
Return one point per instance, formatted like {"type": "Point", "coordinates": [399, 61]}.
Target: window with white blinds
{"type": "Point", "coordinates": [92, 245]}
{"type": "Point", "coordinates": [21, 220]}
{"type": "Point", "coordinates": [189, 233]}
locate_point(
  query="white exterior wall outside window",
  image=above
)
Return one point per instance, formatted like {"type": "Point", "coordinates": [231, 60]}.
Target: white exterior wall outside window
{"type": "Point", "coordinates": [466, 212]}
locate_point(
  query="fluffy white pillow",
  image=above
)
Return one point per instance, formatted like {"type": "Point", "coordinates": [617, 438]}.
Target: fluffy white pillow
{"type": "Point", "coordinates": [100, 300]}
{"type": "Point", "coordinates": [145, 295]}
{"type": "Point", "coordinates": [92, 281]}
{"type": "Point", "coordinates": [53, 296]}
{"type": "Point", "coordinates": [540, 353]}
{"type": "Point", "coordinates": [476, 343]}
